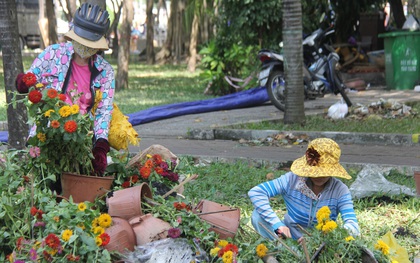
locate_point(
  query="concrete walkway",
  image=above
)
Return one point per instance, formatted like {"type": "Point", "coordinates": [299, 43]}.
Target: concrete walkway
{"type": "Point", "coordinates": [199, 135]}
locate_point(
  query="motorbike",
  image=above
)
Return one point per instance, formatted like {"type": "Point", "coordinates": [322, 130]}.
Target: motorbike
{"type": "Point", "coordinates": [320, 69]}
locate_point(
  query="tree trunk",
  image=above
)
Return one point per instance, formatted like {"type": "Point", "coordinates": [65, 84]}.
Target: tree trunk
{"type": "Point", "coordinates": [167, 48]}
{"type": "Point", "coordinates": [124, 47]}
{"type": "Point", "coordinates": [52, 22]}
{"type": "Point", "coordinates": [293, 60]}
{"type": "Point", "coordinates": [150, 53]}
{"type": "Point", "coordinates": [100, 3]}
{"type": "Point", "coordinates": [12, 64]}
{"type": "Point", "coordinates": [178, 30]}
{"type": "Point", "coordinates": [397, 11]}
{"type": "Point", "coordinates": [193, 43]}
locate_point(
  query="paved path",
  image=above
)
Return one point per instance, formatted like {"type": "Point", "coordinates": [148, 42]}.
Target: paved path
{"type": "Point", "coordinates": [173, 134]}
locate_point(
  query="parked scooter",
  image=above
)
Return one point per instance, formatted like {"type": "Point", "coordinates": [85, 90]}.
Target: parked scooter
{"type": "Point", "coordinates": [320, 73]}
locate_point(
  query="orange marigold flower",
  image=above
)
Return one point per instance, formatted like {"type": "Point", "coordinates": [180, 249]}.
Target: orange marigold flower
{"type": "Point", "coordinates": [55, 124]}
{"type": "Point", "coordinates": [35, 96]}
{"type": "Point", "coordinates": [52, 93]}
{"type": "Point", "coordinates": [134, 179]}
{"type": "Point", "coordinates": [148, 163]}
{"type": "Point", "coordinates": [145, 172]}
{"type": "Point", "coordinates": [70, 126]}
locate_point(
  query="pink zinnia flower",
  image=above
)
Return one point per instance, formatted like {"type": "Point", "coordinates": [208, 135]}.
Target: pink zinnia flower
{"type": "Point", "coordinates": [34, 152]}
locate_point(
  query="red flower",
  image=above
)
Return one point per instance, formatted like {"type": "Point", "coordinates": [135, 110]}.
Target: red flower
{"type": "Point", "coordinates": [55, 124]}
{"type": "Point", "coordinates": [157, 159]}
{"type": "Point", "coordinates": [35, 96]}
{"type": "Point", "coordinates": [73, 258]}
{"type": "Point", "coordinates": [180, 205]}
{"type": "Point", "coordinates": [231, 247]}
{"type": "Point", "coordinates": [29, 79]}
{"type": "Point", "coordinates": [62, 97]}
{"type": "Point", "coordinates": [105, 239]}
{"type": "Point", "coordinates": [33, 211]}
{"type": "Point", "coordinates": [126, 184]}
{"type": "Point", "coordinates": [19, 243]}
{"type": "Point", "coordinates": [52, 241]}
{"type": "Point", "coordinates": [52, 93]}
{"type": "Point", "coordinates": [159, 170]}
{"type": "Point", "coordinates": [70, 126]}
{"type": "Point", "coordinates": [174, 232]}
{"type": "Point", "coordinates": [134, 179]}
{"type": "Point", "coordinates": [145, 172]}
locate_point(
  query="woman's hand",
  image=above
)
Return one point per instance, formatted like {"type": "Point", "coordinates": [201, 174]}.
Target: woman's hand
{"type": "Point", "coordinates": [100, 152]}
{"type": "Point", "coordinates": [283, 232]}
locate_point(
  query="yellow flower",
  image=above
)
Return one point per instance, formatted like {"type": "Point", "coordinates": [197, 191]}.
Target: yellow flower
{"type": "Point", "coordinates": [41, 136]}
{"type": "Point", "coordinates": [214, 251]}
{"type": "Point", "coordinates": [261, 250]}
{"type": "Point", "coordinates": [98, 241]}
{"type": "Point", "coordinates": [75, 109]}
{"type": "Point", "coordinates": [105, 220]}
{"type": "Point", "coordinates": [394, 261]}
{"type": "Point", "coordinates": [148, 155]}
{"type": "Point", "coordinates": [56, 219]}
{"type": "Point", "coordinates": [81, 226]}
{"type": "Point", "coordinates": [329, 226]}
{"type": "Point", "coordinates": [64, 111]}
{"type": "Point", "coordinates": [349, 238]}
{"type": "Point", "coordinates": [48, 113]}
{"type": "Point", "coordinates": [81, 206]}
{"type": "Point", "coordinates": [319, 226]}
{"type": "Point", "coordinates": [227, 257]}
{"type": "Point", "coordinates": [95, 222]}
{"type": "Point", "coordinates": [39, 85]}
{"type": "Point", "coordinates": [98, 230]}
{"type": "Point", "coordinates": [66, 234]}
{"type": "Point", "coordinates": [383, 247]}
{"type": "Point", "coordinates": [323, 214]}
{"type": "Point", "coordinates": [53, 252]}
{"type": "Point", "coordinates": [222, 243]}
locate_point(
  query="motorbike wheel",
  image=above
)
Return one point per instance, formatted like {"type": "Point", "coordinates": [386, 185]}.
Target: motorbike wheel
{"type": "Point", "coordinates": [342, 89]}
{"type": "Point", "coordinates": [276, 89]}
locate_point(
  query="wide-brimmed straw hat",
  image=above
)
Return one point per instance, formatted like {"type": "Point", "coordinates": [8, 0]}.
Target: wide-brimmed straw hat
{"type": "Point", "coordinates": [90, 24]}
{"type": "Point", "coordinates": [320, 160]}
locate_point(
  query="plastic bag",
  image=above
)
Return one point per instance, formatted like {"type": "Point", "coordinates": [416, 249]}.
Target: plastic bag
{"type": "Point", "coordinates": [397, 252]}
{"type": "Point", "coordinates": [338, 110]}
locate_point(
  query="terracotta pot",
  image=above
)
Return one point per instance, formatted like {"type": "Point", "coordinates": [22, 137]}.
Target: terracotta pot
{"type": "Point", "coordinates": [223, 219]}
{"type": "Point", "coordinates": [417, 181]}
{"type": "Point", "coordinates": [84, 188]}
{"type": "Point", "coordinates": [126, 203]}
{"type": "Point", "coordinates": [148, 228]}
{"type": "Point", "coordinates": [121, 235]}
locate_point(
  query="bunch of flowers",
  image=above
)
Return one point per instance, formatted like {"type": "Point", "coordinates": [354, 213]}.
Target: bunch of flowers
{"type": "Point", "coordinates": [61, 136]}
{"type": "Point", "coordinates": [153, 170]}
{"type": "Point", "coordinates": [337, 244]}
{"type": "Point", "coordinates": [66, 232]}
{"type": "Point", "coordinates": [225, 251]}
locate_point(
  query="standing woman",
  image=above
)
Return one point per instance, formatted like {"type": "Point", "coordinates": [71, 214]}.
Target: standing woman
{"type": "Point", "coordinates": [77, 70]}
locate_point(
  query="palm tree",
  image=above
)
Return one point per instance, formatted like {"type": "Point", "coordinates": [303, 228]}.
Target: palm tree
{"type": "Point", "coordinates": [12, 64]}
{"type": "Point", "coordinates": [293, 61]}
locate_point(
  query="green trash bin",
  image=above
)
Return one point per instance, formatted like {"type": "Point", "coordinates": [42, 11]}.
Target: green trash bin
{"type": "Point", "coordinates": [402, 59]}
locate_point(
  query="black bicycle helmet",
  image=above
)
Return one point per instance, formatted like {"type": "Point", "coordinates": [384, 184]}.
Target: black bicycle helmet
{"type": "Point", "coordinates": [90, 22]}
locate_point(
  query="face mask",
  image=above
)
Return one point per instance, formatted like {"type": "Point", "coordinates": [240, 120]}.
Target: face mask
{"type": "Point", "coordinates": [83, 51]}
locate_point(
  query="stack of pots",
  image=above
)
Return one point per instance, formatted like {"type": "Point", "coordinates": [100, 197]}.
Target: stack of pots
{"type": "Point", "coordinates": [131, 227]}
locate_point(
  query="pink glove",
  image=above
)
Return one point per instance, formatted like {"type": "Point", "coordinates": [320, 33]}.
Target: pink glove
{"type": "Point", "coordinates": [20, 85]}
{"type": "Point", "coordinates": [100, 151]}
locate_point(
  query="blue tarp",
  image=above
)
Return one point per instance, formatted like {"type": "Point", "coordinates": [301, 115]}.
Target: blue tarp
{"type": "Point", "coordinates": [247, 98]}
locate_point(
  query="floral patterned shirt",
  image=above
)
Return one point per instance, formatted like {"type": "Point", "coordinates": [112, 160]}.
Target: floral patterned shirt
{"type": "Point", "coordinates": [51, 67]}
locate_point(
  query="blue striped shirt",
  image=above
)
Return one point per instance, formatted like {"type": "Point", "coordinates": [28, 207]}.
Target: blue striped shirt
{"type": "Point", "coordinates": [302, 205]}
